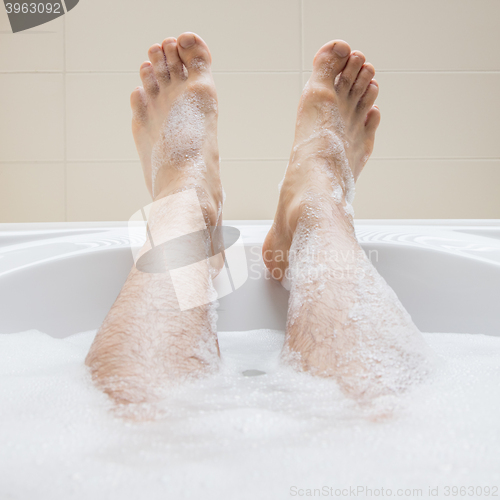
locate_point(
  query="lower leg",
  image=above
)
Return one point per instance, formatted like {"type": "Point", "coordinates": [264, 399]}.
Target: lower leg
{"type": "Point", "coordinates": [148, 339]}
{"type": "Point", "coordinates": [344, 321]}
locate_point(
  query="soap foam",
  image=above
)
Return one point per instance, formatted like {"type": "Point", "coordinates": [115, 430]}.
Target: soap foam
{"type": "Point", "coordinates": [240, 436]}
{"type": "Point", "coordinates": [326, 145]}
{"type": "Point", "coordinates": [182, 136]}
{"type": "Point", "coordinates": [371, 342]}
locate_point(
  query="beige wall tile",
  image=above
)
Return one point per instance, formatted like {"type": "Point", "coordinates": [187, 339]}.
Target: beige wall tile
{"type": "Point", "coordinates": [406, 35]}
{"type": "Point", "coordinates": [99, 116]}
{"type": "Point", "coordinates": [249, 36]}
{"type": "Point", "coordinates": [251, 188]}
{"type": "Point", "coordinates": [438, 189]}
{"type": "Point", "coordinates": [105, 191]}
{"type": "Point", "coordinates": [257, 114]}
{"type": "Point", "coordinates": [439, 74]}
{"type": "Point", "coordinates": [32, 121]}
{"type": "Point", "coordinates": [37, 49]}
{"type": "Point", "coordinates": [438, 115]}
{"type": "Point", "coordinates": [31, 192]}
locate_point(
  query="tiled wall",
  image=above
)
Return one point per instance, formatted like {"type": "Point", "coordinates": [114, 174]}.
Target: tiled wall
{"type": "Point", "coordinates": [67, 151]}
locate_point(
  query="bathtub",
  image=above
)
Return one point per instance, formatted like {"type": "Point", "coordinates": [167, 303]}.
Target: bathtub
{"type": "Point", "coordinates": [62, 278]}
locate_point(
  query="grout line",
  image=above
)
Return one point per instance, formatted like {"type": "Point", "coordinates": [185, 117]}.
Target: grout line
{"type": "Point", "coordinates": [215, 72]}
{"type": "Point", "coordinates": [432, 71]}
{"type": "Point", "coordinates": [65, 124]}
{"type": "Point", "coordinates": [301, 35]}
{"type": "Point", "coordinates": [437, 71]}
{"type": "Point", "coordinates": [104, 161]}
{"type": "Point", "coordinates": [402, 158]}
{"type": "Point", "coordinates": [101, 160]}
{"type": "Point", "coordinates": [253, 159]}
{"type": "Point", "coordinates": [259, 72]}
{"type": "Point", "coordinates": [6, 162]}
{"type": "Point", "coordinates": [373, 158]}
{"type": "Point", "coordinates": [34, 72]}
{"type": "Point", "coordinates": [436, 158]}
{"type": "Point", "coordinates": [134, 72]}
{"type": "Point", "coordinates": [380, 158]}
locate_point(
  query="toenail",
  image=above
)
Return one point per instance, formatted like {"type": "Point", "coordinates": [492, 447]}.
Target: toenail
{"type": "Point", "coordinates": [187, 41]}
{"type": "Point", "coordinates": [155, 48]}
{"type": "Point", "coordinates": [341, 50]}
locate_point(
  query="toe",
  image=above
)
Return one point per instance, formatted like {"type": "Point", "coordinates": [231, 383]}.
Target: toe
{"type": "Point", "coordinates": [368, 98]}
{"type": "Point", "coordinates": [157, 58]}
{"type": "Point", "coordinates": [149, 79]}
{"type": "Point", "coordinates": [194, 53]}
{"type": "Point", "coordinates": [330, 60]}
{"type": "Point", "coordinates": [372, 120]}
{"type": "Point", "coordinates": [364, 78]}
{"type": "Point", "coordinates": [138, 102]}
{"type": "Point", "coordinates": [349, 73]}
{"type": "Point", "coordinates": [174, 63]}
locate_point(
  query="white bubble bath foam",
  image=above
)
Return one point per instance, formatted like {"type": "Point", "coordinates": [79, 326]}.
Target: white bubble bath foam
{"type": "Point", "coordinates": [256, 429]}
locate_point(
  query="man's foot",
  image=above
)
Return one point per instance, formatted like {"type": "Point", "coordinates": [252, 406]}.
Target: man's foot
{"type": "Point", "coordinates": [334, 137]}
{"type": "Point", "coordinates": [175, 121]}
{"type": "Point", "coordinates": [162, 327]}
{"type": "Point", "coordinates": [344, 321]}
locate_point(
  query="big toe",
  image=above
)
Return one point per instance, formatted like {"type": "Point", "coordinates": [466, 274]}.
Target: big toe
{"type": "Point", "coordinates": [330, 60]}
{"type": "Point", "coordinates": [194, 53]}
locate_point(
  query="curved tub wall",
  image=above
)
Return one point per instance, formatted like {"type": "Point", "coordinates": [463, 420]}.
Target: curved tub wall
{"type": "Point", "coordinates": [63, 280]}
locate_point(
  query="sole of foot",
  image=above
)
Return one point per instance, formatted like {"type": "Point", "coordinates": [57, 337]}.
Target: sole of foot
{"type": "Point", "coordinates": [334, 137]}
{"type": "Point", "coordinates": [174, 122]}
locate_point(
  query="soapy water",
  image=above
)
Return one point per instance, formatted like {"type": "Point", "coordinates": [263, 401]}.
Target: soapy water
{"type": "Point", "coordinates": [256, 429]}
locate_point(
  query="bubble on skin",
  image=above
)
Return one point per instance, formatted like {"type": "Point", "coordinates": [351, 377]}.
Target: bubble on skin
{"type": "Point", "coordinates": [285, 282]}
{"type": "Point", "coordinates": [337, 194]}
{"type": "Point", "coordinates": [378, 338]}
{"type": "Point", "coordinates": [349, 210]}
{"type": "Point", "coordinates": [394, 355]}
{"type": "Point", "coordinates": [325, 148]}
{"type": "Point", "coordinates": [139, 113]}
{"type": "Point", "coordinates": [182, 137]}
{"type": "Point", "coordinates": [382, 342]}
{"type": "Point", "coordinates": [58, 425]}
{"type": "Point", "coordinates": [329, 143]}
{"type": "Point", "coordinates": [198, 64]}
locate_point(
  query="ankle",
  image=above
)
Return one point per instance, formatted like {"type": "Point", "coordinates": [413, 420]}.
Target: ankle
{"type": "Point", "coordinates": [209, 199]}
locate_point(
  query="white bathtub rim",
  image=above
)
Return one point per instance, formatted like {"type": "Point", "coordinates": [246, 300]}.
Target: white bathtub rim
{"type": "Point", "coordinates": [99, 236]}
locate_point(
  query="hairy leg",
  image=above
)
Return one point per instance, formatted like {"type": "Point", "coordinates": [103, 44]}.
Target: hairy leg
{"type": "Point", "coordinates": [148, 338]}
{"type": "Point", "coordinates": [344, 321]}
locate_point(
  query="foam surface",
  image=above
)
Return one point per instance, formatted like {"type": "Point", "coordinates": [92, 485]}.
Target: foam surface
{"type": "Point", "coordinates": [254, 430]}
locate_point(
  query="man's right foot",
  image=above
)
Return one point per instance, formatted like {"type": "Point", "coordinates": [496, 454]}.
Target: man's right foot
{"type": "Point", "coordinates": [334, 137]}
{"type": "Point", "coordinates": [175, 122]}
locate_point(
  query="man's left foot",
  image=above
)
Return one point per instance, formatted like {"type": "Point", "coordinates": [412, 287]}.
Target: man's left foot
{"type": "Point", "coordinates": [334, 137]}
